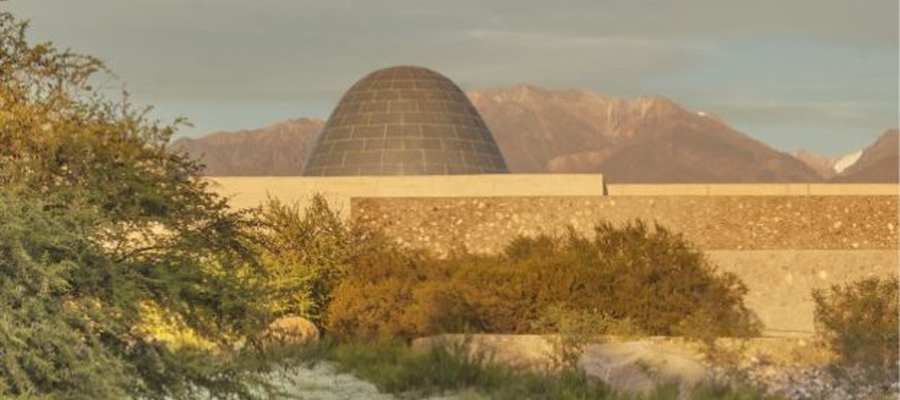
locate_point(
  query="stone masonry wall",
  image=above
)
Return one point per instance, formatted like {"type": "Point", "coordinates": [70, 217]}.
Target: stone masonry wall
{"type": "Point", "coordinates": [711, 222]}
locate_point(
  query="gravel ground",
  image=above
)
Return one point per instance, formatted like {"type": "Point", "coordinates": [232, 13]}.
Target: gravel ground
{"type": "Point", "coordinates": [817, 383]}
{"type": "Point", "coordinates": [322, 382]}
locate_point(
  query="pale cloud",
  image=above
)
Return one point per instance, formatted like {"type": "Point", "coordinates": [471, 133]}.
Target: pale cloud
{"type": "Point", "coordinates": [207, 58]}
{"type": "Point", "coordinates": [553, 40]}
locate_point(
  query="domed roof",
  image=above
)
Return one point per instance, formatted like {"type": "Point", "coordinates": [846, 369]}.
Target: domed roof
{"type": "Point", "coordinates": [404, 121]}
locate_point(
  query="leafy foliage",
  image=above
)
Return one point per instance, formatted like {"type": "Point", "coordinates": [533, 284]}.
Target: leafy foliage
{"type": "Point", "coordinates": [101, 217]}
{"type": "Point", "coordinates": [50, 341]}
{"type": "Point", "coordinates": [647, 279]}
{"type": "Point", "coordinates": [859, 320]}
{"type": "Point", "coordinates": [304, 253]}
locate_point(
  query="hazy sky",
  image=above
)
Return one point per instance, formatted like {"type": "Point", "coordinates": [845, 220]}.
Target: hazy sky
{"type": "Point", "coordinates": [819, 74]}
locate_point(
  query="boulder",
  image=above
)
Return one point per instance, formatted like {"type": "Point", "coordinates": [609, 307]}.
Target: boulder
{"type": "Point", "coordinates": [639, 367]}
{"type": "Point", "coordinates": [291, 330]}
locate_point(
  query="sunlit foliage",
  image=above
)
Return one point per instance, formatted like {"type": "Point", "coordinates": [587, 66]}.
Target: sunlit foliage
{"type": "Point", "coordinates": [98, 218]}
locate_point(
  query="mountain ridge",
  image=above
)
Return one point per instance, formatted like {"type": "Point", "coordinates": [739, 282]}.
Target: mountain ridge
{"type": "Point", "coordinates": [879, 162]}
{"type": "Point", "coordinates": [646, 139]}
{"type": "Point", "coordinates": [275, 150]}
{"type": "Point", "coordinates": [642, 139]}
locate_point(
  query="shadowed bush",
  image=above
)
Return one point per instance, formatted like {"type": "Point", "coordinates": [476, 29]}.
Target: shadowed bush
{"type": "Point", "coordinates": [859, 322]}
{"type": "Point", "coordinates": [392, 292]}
{"type": "Point", "coordinates": [648, 276]}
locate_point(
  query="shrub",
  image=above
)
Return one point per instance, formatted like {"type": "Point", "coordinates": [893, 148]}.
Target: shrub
{"type": "Point", "coordinates": [304, 253]}
{"type": "Point", "coordinates": [392, 292]}
{"type": "Point", "coordinates": [455, 370]}
{"type": "Point", "coordinates": [859, 322]}
{"type": "Point", "coordinates": [395, 368]}
{"type": "Point", "coordinates": [650, 278]}
{"type": "Point", "coordinates": [99, 218]}
{"type": "Point", "coordinates": [666, 286]}
{"type": "Point", "coordinates": [573, 330]}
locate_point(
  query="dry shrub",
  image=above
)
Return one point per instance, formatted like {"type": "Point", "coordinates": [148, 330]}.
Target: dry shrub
{"type": "Point", "coordinates": [390, 293]}
{"type": "Point", "coordinates": [575, 329]}
{"type": "Point", "coordinates": [647, 276]}
{"type": "Point", "coordinates": [859, 322]}
{"type": "Point", "coordinates": [668, 287]}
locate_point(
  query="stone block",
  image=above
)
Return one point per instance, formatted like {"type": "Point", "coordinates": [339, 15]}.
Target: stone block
{"type": "Point", "coordinates": [368, 132]}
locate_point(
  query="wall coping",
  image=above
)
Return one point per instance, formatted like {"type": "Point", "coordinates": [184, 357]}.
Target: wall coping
{"type": "Point", "coordinates": [251, 191]}
{"type": "Point", "coordinates": [245, 192]}
{"type": "Point", "coordinates": [755, 189]}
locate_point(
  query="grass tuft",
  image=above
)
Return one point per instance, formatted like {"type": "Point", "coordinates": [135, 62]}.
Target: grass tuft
{"type": "Point", "coordinates": [393, 367]}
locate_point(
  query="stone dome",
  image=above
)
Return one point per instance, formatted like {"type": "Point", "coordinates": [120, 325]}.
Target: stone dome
{"type": "Point", "coordinates": [404, 121]}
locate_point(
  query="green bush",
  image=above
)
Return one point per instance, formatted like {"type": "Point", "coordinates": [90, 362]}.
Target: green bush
{"type": "Point", "coordinates": [99, 218]}
{"type": "Point", "coordinates": [859, 322]}
{"type": "Point", "coordinates": [304, 253]}
{"type": "Point", "coordinates": [651, 278]}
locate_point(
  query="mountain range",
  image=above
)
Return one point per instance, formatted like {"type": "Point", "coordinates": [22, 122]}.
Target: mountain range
{"type": "Point", "coordinates": [275, 150]}
{"type": "Point", "coordinates": [640, 140]}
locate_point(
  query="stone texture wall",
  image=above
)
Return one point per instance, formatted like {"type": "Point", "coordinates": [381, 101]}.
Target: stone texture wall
{"type": "Point", "coordinates": [711, 222]}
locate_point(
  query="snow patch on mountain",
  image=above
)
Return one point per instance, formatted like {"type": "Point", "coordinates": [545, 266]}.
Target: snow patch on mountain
{"type": "Point", "coordinates": [847, 161]}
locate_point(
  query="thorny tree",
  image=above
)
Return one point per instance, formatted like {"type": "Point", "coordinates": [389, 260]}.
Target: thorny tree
{"type": "Point", "coordinates": [99, 217]}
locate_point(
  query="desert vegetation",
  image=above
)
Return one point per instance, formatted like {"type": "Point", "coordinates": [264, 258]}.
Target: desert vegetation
{"type": "Point", "coordinates": [100, 221]}
{"type": "Point", "coordinates": [454, 372]}
{"type": "Point", "coordinates": [382, 294]}
{"type": "Point", "coordinates": [637, 277]}
{"type": "Point", "coordinates": [859, 321]}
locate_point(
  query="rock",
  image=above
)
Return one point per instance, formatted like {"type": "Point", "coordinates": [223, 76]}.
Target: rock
{"type": "Point", "coordinates": [291, 330]}
{"type": "Point", "coordinates": [639, 367]}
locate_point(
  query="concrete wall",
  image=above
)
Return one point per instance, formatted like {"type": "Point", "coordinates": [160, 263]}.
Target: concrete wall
{"type": "Point", "coordinates": [780, 282]}
{"type": "Point", "coordinates": [246, 192]}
